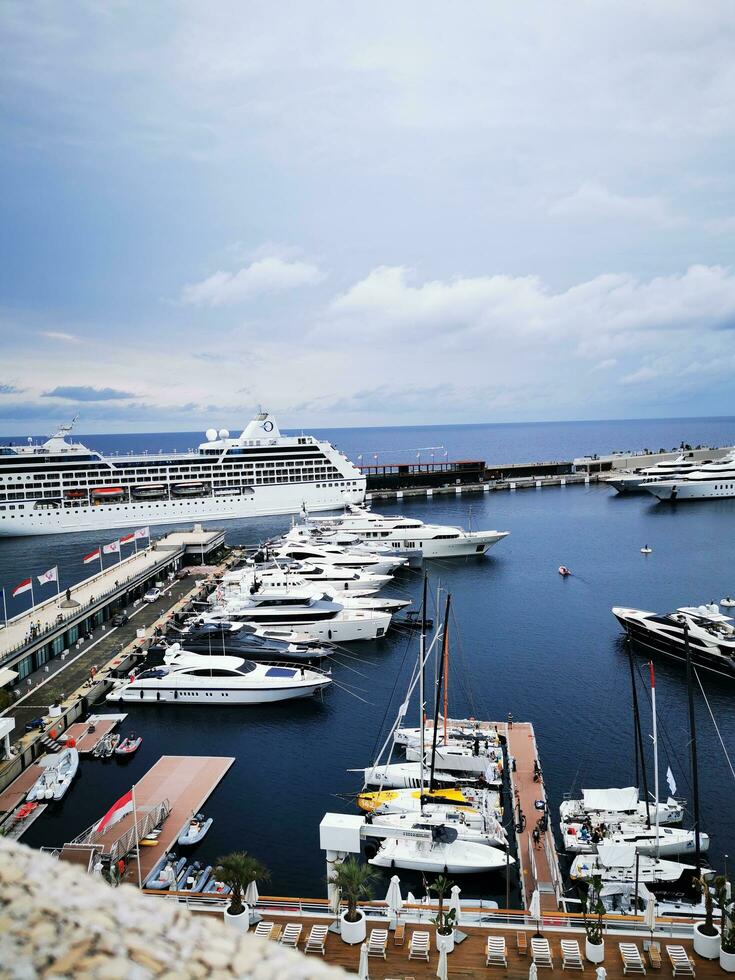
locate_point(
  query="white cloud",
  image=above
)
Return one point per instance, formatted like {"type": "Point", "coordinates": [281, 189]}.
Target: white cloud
{"type": "Point", "coordinates": [266, 275]}
{"type": "Point", "coordinates": [594, 201]}
{"type": "Point", "coordinates": [60, 335]}
{"type": "Point", "coordinates": [641, 376]}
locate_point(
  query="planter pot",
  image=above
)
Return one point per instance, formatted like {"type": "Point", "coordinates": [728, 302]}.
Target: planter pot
{"type": "Point", "coordinates": [445, 942]}
{"type": "Point", "coordinates": [704, 945]}
{"type": "Point", "coordinates": [727, 961]}
{"type": "Point", "coordinates": [595, 952]}
{"type": "Point", "coordinates": [241, 922]}
{"type": "Point", "coordinates": [353, 932]}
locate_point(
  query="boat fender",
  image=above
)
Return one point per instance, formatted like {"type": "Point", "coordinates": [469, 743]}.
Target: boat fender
{"type": "Point", "coordinates": [329, 634]}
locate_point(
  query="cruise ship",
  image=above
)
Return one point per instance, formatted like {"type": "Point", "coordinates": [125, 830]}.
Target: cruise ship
{"type": "Point", "coordinates": [715, 479]}
{"type": "Point", "coordinates": [62, 486]}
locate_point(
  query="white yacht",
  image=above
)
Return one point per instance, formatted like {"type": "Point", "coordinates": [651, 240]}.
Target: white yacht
{"type": "Point", "coordinates": [485, 761]}
{"type": "Point", "coordinates": [619, 862]}
{"type": "Point", "coordinates": [406, 534]}
{"type": "Point", "coordinates": [469, 824]}
{"type": "Point", "coordinates": [464, 733]}
{"type": "Point", "coordinates": [404, 800]}
{"type": "Point", "coordinates": [309, 590]}
{"type": "Point", "coordinates": [397, 775]}
{"type": "Point", "coordinates": [637, 481]}
{"type": "Point", "coordinates": [442, 853]}
{"type": "Point", "coordinates": [615, 805]}
{"type": "Point", "coordinates": [188, 678]}
{"type": "Point", "coordinates": [711, 635]}
{"type": "Point", "coordinates": [63, 486]}
{"type": "Point", "coordinates": [666, 841]}
{"type": "Point", "coordinates": [714, 479]}
{"type": "Point", "coordinates": [293, 573]}
{"type": "Point", "coordinates": [333, 557]}
{"type": "Point", "coordinates": [59, 769]}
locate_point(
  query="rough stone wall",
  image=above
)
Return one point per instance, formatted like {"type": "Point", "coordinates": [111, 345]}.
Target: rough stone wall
{"type": "Point", "coordinates": [56, 921]}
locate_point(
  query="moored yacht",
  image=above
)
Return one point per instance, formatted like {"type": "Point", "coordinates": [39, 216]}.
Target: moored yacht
{"type": "Point", "coordinates": [441, 852]}
{"type": "Point", "coordinates": [620, 863]}
{"type": "Point", "coordinates": [296, 574]}
{"type": "Point", "coordinates": [713, 479]}
{"type": "Point", "coordinates": [670, 469]}
{"type": "Point", "coordinates": [469, 823]}
{"type": "Point", "coordinates": [59, 769]}
{"type": "Point", "coordinates": [664, 841]}
{"type": "Point", "coordinates": [615, 805]}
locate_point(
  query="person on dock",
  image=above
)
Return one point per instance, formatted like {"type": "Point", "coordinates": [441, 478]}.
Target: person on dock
{"type": "Point", "coordinates": [536, 837]}
{"type": "Point", "coordinates": [510, 719]}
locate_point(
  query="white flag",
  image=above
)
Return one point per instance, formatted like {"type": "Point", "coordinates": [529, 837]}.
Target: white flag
{"type": "Point", "coordinates": [113, 548]}
{"type": "Point", "coordinates": [52, 575]}
{"type": "Point", "coordinates": [670, 781]}
{"type": "Point", "coordinates": [142, 532]}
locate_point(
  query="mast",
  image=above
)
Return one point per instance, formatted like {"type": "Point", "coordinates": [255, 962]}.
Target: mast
{"type": "Point", "coordinates": [638, 737]}
{"type": "Point", "coordinates": [422, 699]}
{"type": "Point", "coordinates": [655, 752]}
{"type": "Point", "coordinates": [445, 657]}
{"type": "Point", "coordinates": [438, 701]}
{"type": "Point", "coordinates": [693, 746]}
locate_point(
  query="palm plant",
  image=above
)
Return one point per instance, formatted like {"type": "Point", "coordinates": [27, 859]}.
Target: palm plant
{"type": "Point", "coordinates": [444, 921]}
{"type": "Point", "coordinates": [708, 928]}
{"type": "Point", "coordinates": [238, 870]}
{"type": "Point", "coordinates": [593, 908]}
{"type": "Point", "coordinates": [354, 881]}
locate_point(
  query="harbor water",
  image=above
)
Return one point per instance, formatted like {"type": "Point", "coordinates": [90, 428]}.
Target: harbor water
{"type": "Point", "coordinates": [522, 639]}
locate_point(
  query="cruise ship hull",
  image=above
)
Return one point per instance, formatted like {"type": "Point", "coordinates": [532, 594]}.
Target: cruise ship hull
{"type": "Point", "coordinates": [694, 490]}
{"type": "Point", "coordinates": [266, 501]}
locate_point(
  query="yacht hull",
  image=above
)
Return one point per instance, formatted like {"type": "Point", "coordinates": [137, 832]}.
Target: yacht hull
{"type": "Point", "coordinates": [459, 857]}
{"type": "Point", "coordinates": [139, 693]}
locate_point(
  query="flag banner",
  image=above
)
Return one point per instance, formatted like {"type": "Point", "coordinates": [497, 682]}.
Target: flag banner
{"type": "Point", "coordinates": [670, 780]}
{"type": "Point", "coordinates": [92, 556]}
{"type": "Point", "coordinates": [127, 539]}
{"type": "Point", "coordinates": [116, 812]}
{"type": "Point", "coordinates": [142, 532]}
{"type": "Point", "coordinates": [52, 575]}
{"type": "Point", "coordinates": [25, 586]}
{"type": "Point", "coordinates": [113, 548]}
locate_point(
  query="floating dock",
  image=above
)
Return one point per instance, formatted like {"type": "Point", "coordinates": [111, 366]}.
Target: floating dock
{"type": "Point", "coordinates": [88, 734]}
{"type": "Point", "coordinates": [13, 795]}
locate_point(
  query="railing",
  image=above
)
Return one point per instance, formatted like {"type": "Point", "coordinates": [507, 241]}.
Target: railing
{"type": "Point", "coordinates": [147, 818]}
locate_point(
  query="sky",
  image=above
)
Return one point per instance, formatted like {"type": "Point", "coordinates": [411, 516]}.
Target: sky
{"type": "Point", "coordinates": [358, 214]}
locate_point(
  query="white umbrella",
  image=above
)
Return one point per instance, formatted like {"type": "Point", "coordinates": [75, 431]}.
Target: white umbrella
{"type": "Point", "coordinates": [601, 973]}
{"type": "Point", "coordinates": [251, 894]}
{"type": "Point", "coordinates": [649, 916]}
{"type": "Point", "coordinates": [534, 909]}
{"type": "Point", "coordinates": [454, 903]}
{"type": "Point", "coordinates": [441, 969]}
{"type": "Point", "coordinates": [393, 897]}
{"type": "Point", "coordinates": [362, 970]}
{"type": "Point", "coordinates": [532, 972]}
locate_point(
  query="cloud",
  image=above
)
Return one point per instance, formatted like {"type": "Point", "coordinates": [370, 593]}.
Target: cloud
{"type": "Point", "coordinates": [65, 338]}
{"type": "Point", "coordinates": [641, 376]}
{"type": "Point", "coordinates": [6, 389]}
{"type": "Point", "coordinates": [85, 393]}
{"type": "Point", "coordinates": [267, 275]}
{"type": "Point", "coordinates": [594, 201]}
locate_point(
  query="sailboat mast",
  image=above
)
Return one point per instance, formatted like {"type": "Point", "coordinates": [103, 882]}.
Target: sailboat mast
{"type": "Point", "coordinates": [693, 746]}
{"type": "Point", "coordinates": [655, 752]}
{"type": "Point", "coordinates": [445, 659]}
{"type": "Point", "coordinates": [422, 697]}
{"type": "Point", "coordinates": [437, 702]}
{"type": "Point", "coordinates": [638, 736]}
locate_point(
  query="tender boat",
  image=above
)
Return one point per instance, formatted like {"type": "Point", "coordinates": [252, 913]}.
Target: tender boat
{"type": "Point", "coordinates": [59, 769]}
{"type": "Point", "coordinates": [440, 852]}
{"type": "Point", "coordinates": [195, 830]}
{"type": "Point", "coordinates": [188, 678]}
{"type": "Point", "coordinates": [564, 571]}
{"type": "Point", "coordinates": [165, 873]}
{"type": "Point", "coordinates": [728, 602]}
{"type": "Point", "coordinates": [130, 745]}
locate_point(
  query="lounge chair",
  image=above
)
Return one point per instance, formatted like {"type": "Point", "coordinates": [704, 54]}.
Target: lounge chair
{"type": "Point", "coordinates": [263, 930]}
{"type": "Point", "coordinates": [291, 935]}
{"type": "Point", "coordinates": [571, 958]}
{"type": "Point", "coordinates": [317, 940]}
{"type": "Point", "coordinates": [632, 960]}
{"type": "Point", "coordinates": [540, 952]}
{"type": "Point", "coordinates": [680, 961]}
{"type": "Point", "coordinates": [419, 947]}
{"type": "Point", "coordinates": [495, 954]}
{"type": "Point", "coordinates": [378, 943]}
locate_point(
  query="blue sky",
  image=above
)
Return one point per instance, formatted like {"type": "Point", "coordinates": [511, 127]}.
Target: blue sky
{"type": "Point", "coordinates": [394, 213]}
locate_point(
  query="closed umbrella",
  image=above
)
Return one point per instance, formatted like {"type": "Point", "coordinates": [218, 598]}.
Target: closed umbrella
{"type": "Point", "coordinates": [601, 973]}
{"type": "Point", "coordinates": [533, 972]}
{"type": "Point", "coordinates": [362, 970]}
{"type": "Point", "coordinates": [649, 916]}
{"type": "Point", "coordinates": [534, 909]}
{"type": "Point", "coordinates": [251, 894]}
{"type": "Point", "coordinates": [393, 898]}
{"type": "Point", "coordinates": [441, 969]}
{"type": "Point", "coordinates": [454, 903]}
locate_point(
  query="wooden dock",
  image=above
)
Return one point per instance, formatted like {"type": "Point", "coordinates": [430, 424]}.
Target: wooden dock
{"type": "Point", "coordinates": [13, 795]}
{"type": "Point", "coordinates": [88, 734]}
{"type": "Point", "coordinates": [538, 862]}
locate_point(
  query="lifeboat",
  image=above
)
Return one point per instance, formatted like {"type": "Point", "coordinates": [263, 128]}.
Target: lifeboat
{"type": "Point", "coordinates": [194, 488]}
{"type": "Point", "coordinates": [108, 493]}
{"type": "Point", "coordinates": [75, 494]}
{"type": "Point", "coordinates": [564, 571]}
{"type": "Point", "coordinates": [149, 491]}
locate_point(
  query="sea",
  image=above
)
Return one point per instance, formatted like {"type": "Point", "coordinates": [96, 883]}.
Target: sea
{"type": "Point", "coordinates": [522, 640]}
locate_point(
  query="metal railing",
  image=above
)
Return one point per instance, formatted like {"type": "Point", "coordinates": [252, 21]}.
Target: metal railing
{"type": "Point", "coordinates": [147, 819]}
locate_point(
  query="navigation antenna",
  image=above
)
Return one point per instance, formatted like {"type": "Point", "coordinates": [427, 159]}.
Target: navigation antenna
{"type": "Point", "coordinates": [65, 428]}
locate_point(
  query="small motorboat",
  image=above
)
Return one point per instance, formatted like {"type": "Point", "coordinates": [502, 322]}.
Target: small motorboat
{"type": "Point", "coordinates": [564, 571]}
{"type": "Point", "coordinates": [58, 771]}
{"type": "Point", "coordinates": [645, 550]}
{"type": "Point", "coordinates": [727, 601]}
{"type": "Point", "coordinates": [194, 878]}
{"type": "Point", "coordinates": [194, 830]}
{"type": "Point", "coordinates": [214, 887]}
{"type": "Point", "coordinates": [129, 745]}
{"type": "Point", "coordinates": [165, 873]}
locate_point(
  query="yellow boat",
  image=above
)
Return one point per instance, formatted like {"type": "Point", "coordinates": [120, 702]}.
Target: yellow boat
{"type": "Point", "coordinates": [371, 801]}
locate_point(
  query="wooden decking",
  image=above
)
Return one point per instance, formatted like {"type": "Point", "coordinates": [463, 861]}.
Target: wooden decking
{"type": "Point", "coordinates": [14, 794]}
{"type": "Point", "coordinates": [88, 734]}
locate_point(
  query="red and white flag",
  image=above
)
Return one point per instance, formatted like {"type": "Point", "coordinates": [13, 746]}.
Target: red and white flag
{"type": "Point", "coordinates": [142, 532]}
{"type": "Point", "coordinates": [116, 812]}
{"type": "Point", "coordinates": [92, 556]}
{"type": "Point", "coordinates": [25, 586]}
{"type": "Point", "coordinates": [113, 548]}
{"type": "Point", "coordinates": [52, 575]}
{"type": "Point", "coordinates": [127, 539]}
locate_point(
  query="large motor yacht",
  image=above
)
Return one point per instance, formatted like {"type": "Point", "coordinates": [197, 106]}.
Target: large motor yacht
{"type": "Point", "coordinates": [637, 481]}
{"type": "Point", "coordinates": [715, 479]}
{"type": "Point", "coordinates": [711, 635]}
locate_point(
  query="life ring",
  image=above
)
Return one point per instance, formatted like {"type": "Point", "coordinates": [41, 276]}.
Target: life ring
{"type": "Point", "coordinates": [268, 426]}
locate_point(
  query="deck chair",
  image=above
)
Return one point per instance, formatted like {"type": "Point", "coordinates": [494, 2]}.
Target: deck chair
{"type": "Point", "coordinates": [419, 947]}
{"type": "Point", "coordinates": [680, 961]}
{"type": "Point", "coordinates": [378, 943]}
{"type": "Point", "coordinates": [540, 952]}
{"type": "Point", "coordinates": [263, 930]}
{"type": "Point", "coordinates": [316, 941]}
{"type": "Point", "coordinates": [571, 958]}
{"type": "Point", "coordinates": [495, 954]}
{"type": "Point", "coordinates": [632, 960]}
{"type": "Point", "coordinates": [291, 935]}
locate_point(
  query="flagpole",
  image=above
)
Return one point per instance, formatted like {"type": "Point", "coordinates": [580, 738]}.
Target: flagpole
{"type": "Point", "coordinates": [137, 839]}
{"type": "Point", "coordinates": [5, 608]}
{"type": "Point", "coordinates": [102, 567]}
{"type": "Point", "coordinates": [119, 552]}
{"type": "Point", "coordinates": [33, 600]}
{"type": "Point", "coordinates": [58, 583]}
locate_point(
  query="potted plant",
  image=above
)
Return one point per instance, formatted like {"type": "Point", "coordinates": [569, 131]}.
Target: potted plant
{"type": "Point", "coordinates": [593, 911]}
{"type": "Point", "coordinates": [444, 921]}
{"type": "Point", "coordinates": [727, 924]}
{"type": "Point", "coordinates": [706, 938]}
{"type": "Point", "coordinates": [354, 882]}
{"type": "Point", "coordinates": [237, 870]}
